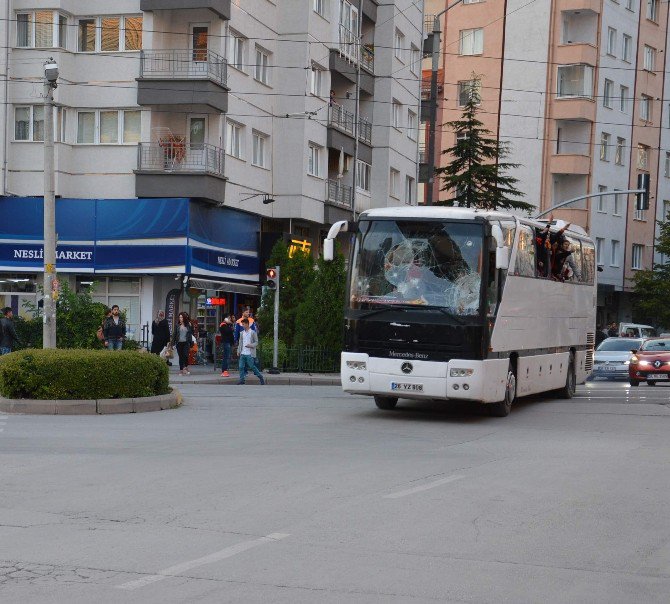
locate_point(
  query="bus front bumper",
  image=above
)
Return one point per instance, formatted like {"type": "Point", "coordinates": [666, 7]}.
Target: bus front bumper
{"type": "Point", "coordinates": [408, 378]}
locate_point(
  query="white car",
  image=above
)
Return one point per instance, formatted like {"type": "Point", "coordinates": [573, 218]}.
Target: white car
{"type": "Point", "coordinates": [613, 357]}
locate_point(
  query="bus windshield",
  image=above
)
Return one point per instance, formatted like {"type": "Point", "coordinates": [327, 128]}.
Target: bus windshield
{"type": "Point", "coordinates": [418, 263]}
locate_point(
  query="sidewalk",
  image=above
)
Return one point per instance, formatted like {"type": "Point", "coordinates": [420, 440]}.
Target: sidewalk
{"type": "Point", "coordinates": [210, 374]}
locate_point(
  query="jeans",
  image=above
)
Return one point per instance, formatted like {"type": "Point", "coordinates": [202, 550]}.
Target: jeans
{"type": "Point", "coordinates": [182, 351]}
{"type": "Point", "coordinates": [247, 363]}
{"type": "Point", "coordinates": [227, 351]}
{"type": "Point", "coordinates": [4, 350]}
{"type": "Point", "coordinates": [114, 344]}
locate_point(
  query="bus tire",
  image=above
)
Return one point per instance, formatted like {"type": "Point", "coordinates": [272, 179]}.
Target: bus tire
{"type": "Point", "coordinates": [634, 383]}
{"type": "Point", "coordinates": [503, 408]}
{"type": "Point", "coordinates": [568, 391]}
{"type": "Point", "coordinates": [386, 402]}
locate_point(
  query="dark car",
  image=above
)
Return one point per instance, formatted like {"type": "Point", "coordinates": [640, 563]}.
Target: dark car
{"type": "Point", "coordinates": [651, 363]}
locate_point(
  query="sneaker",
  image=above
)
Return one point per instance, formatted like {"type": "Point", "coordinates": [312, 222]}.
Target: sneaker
{"type": "Point", "coordinates": [240, 383]}
{"type": "Point", "coordinates": [187, 372]}
{"type": "Point", "coordinates": [262, 382]}
{"type": "Point", "coordinates": [225, 374]}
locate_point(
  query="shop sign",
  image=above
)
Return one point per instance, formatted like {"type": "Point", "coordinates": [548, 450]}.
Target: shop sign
{"type": "Point", "coordinates": [216, 301]}
{"type": "Point", "coordinates": [298, 245]}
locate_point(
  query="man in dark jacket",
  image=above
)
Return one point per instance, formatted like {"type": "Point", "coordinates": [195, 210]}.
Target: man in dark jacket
{"type": "Point", "coordinates": [227, 340]}
{"type": "Point", "coordinates": [160, 330]}
{"type": "Point", "coordinates": [114, 330]}
{"type": "Point", "coordinates": [7, 331]}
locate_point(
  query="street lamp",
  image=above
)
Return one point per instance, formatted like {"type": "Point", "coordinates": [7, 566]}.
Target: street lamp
{"type": "Point", "coordinates": [50, 282]}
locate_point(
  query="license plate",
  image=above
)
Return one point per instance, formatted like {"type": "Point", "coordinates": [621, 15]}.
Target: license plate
{"type": "Point", "coordinates": [406, 387]}
{"type": "Point", "coordinates": [609, 368]}
{"type": "Point", "coordinates": [657, 376]}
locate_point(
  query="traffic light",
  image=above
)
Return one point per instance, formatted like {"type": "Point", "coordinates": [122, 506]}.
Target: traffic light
{"type": "Point", "coordinates": [271, 278]}
{"type": "Point", "coordinates": [642, 199]}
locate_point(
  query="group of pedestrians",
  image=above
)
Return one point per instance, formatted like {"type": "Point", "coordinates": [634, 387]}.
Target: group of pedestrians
{"type": "Point", "coordinates": [242, 333]}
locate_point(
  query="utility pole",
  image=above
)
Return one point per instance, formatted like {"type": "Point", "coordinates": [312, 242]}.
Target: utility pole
{"type": "Point", "coordinates": [435, 64]}
{"type": "Point", "coordinates": [50, 283]}
{"type": "Point", "coordinates": [359, 57]}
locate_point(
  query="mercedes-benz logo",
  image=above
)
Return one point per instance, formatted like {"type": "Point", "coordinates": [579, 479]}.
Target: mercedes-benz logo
{"type": "Point", "coordinates": [406, 367]}
{"type": "Point", "coordinates": [657, 364]}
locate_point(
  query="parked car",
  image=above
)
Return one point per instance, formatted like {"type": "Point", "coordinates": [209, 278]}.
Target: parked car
{"type": "Point", "coordinates": [636, 330]}
{"type": "Point", "coordinates": [612, 357]}
{"type": "Point", "coordinates": [651, 362]}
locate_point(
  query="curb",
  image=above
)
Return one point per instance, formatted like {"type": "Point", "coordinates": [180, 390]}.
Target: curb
{"type": "Point", "coordinates": [269, 380]}
{"type": "Point", "coordinates": [104, 406]}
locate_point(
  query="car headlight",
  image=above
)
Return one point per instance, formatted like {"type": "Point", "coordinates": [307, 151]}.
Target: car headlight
{"type": "Point", "coordinates": [461, 372]}
{"type": "Point", "coordinates": [359, 365]}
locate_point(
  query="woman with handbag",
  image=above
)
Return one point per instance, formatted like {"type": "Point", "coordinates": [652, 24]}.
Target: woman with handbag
{"type": "Point", "coordinates": [160, 330]}
{"type": "Point", "coordinates": [183, 339]}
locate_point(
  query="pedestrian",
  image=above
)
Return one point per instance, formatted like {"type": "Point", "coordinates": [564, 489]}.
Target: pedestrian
{"type": "Point", "coordinates": [160, 330]}
{"type": "Point", "coordinates": [332, 100]}
{"type": "Point", "coordinates": [183, 340]}
{"type": "Point", "coordinates": [8, 335]}
{"type": "Point", "coordinates": [227, 341]}
{"type": "Point", "coordinates": [613, 331]}
{"type": "Point", "coordinates": [564, 260]}
{"type": "Point", "coordinates": [114, 330]}
{"type": "Point", "coordinates": [246, 348]}
{"type": "Point", "coordinates": [239, 327]}
{"type": "Point", "coordinates": [601, 335]}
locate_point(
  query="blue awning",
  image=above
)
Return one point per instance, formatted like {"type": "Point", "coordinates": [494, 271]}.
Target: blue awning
{"type": "Point", "coordinates": [150, 236]}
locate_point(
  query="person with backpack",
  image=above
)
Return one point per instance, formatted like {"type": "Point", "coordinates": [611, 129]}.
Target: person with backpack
{"type": "Point", "coordinates": [8, 337]}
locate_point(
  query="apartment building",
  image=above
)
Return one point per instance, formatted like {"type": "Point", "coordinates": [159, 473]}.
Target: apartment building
{"type": "Point", "coordinates": [578, 89]}
{"type": "Point", "coordinates": [192, 134]}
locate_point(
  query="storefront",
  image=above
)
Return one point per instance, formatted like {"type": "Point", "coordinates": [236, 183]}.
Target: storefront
{"type": "Point", "coordinates": [143, 254]}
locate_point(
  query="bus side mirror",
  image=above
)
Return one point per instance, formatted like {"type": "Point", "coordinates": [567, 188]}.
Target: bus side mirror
{"type": "Point", "coordinates": [502, 258]}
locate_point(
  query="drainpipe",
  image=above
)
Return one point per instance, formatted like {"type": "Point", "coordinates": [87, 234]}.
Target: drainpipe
{"type": "Point", "coordinates": [5, 143]}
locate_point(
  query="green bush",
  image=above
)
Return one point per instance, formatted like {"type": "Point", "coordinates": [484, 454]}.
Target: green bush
{"type": "Point", "coordinates": [76, 374]}
{"type": "Point", "coordinates": [266, 351]}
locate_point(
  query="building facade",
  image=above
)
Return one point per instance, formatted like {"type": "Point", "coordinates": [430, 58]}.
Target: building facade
{"type": "Point", "coordinates": [277, 118]}
{"type": "Point", "coordinates": [578, 89]}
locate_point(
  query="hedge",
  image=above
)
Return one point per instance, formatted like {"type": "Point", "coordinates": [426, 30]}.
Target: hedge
{"type": "Point", "coordinates": [76, 374]}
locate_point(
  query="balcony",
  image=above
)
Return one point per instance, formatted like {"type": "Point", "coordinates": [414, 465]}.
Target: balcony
{"type": "Point", "coordinates": [343, 120]}
{"type": "Point", "coordinates": [568, 53]}
{"type": "Point", "coordinates": [173, 168]}
{"type": "Point", "coordinates": [339, 194]}
{"type": "Point", "coordinates": [183, 77]}
{"type": "Point", "coordinates": [579, 5]}
{"type": "Point", "coordinates": [574, 109]}
{"type": "Point", "coordinates": [570, 164]}
{"type": "Point", "coordinates": [220, 7]}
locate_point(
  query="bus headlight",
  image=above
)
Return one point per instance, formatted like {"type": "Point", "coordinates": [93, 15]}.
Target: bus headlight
{"type": "Point", "coordinates": [360, 365]}
{"type": "Point", "coordinates": [461, 372]}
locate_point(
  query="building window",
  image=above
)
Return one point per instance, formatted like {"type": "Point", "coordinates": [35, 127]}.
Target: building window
{"type": "Point", "coordinates": [29, 123]}
{"type": "Point", "coordinates": [605, 139]}
{"type": "Point", "coordinates": [608, 91]}
{"type": "Point", "coordinates": [363, 176]}
{"type": "Point", "coordinates": [318, 6]}
{"type": "Point", "coordinates": [652, 10]}
{"type": "Point", "coordinates": [619, 151]}
{"type": "Point", "coordinates": [637, 256]}
{"type": "Point", "coordinates": [471, 41]}
{"type": "Point", "coordinates": [666, 169]}
{"type": "Point", "coordinates": [259, 149]}
{"type": "Point", "coordinates": [642, 157]}
{"type": "Point", "coordinates": [617, 204]}
{"type": "Point", "coordinates": [396, 117]}
{"type": "Point", "coordinates": [410, 194]}
{"type": "Point", "coordinates": [629, 5]}
{"type": "Point", "coordinates": [236, 51]}
{"type": "Point", "coordinates": [122, 291]}
{"type": "Point", "coordinates": [575, 81]}
{"type": "Point", "coordinates": [645, 108]}
{"type": "Point", "coordinates": [399, 45]}
{"type": "Point", "coordinates": [627, 47]}
{"type": "Point", "coordinates": [394, 183]}
{"type": "Point", "coordinates": [108, 127]}
{"type": "Point", "coordinates": [649, 58]}
{"type": "Point", "coordinates": [261, 66]}
{"type": "Point", "coordinates": [314, 160]}
{"type": "Point", "coordinates": [614, 253]}
{"type": "Point", "coordinates": [469, 90]}
{"type": "Point", "coordinates": [110, 34]}
{"type": "Point", "coordinates": [611, 41]}
{"type": "Point", "coordinates": [412, 124]}
{"type": "Point", "coordinates": [41, 29]}
{"type": "Point", "coordinates": [600, 244]}
{"type": "Point", "coordinates": [623, 98]}
{"type": "Point", "coordinates": [415, 60]}
{"type": "Point", "coordinates": [234, 139]}
{"type": "Point", "coordinates": [316, 80]}
{"type": "Point", "coordinates": [601, 202]}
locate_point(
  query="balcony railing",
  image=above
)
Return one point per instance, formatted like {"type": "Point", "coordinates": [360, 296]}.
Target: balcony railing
{"type": "Point", "coordinates": [170, 156]}
{"type": "Point", "coordinates": [423, 153]}
{"type": "Point", "coordinates": [196, 64]}
{"type": "Point", "coordinates": [351, 49]}
{"type": "Point", "coordinates": [339, 193]}
{"type": "Point", "coordinates": [344, 120]}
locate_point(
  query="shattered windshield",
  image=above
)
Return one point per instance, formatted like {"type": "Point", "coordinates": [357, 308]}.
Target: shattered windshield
{"type": "Point", "coordinates": [410, 262]}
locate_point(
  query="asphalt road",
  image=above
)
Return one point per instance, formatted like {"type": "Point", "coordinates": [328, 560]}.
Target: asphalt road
{"type": "Point", "coordinates": [304, 494]}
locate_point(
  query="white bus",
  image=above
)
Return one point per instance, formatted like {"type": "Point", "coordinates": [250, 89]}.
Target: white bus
{"type": "Point", "coordinates": [454, 304]}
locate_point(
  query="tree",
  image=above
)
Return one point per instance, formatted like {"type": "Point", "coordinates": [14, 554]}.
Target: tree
{"type": "Point", "coordinates": [476, 174]}
{"type": "Point", "coordinates": [652, 287]}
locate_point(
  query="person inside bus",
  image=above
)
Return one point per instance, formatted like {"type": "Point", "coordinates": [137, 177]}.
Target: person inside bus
{"type": "Point", "coordinates": [564, 266]}
{"type": "Point", "coordinates": [543, 245]}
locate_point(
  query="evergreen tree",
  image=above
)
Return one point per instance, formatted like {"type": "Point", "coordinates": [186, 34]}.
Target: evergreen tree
{"type": "Point", "coordinates": [476, 175]}
{"type": "Point", "coordinates": [652, 287]}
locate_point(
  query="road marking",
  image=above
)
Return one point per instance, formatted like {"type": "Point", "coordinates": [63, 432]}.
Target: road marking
{"type": "Point", "coordinates": [227, 552]}
{"type": "Point", "coordinates": [424, 487]}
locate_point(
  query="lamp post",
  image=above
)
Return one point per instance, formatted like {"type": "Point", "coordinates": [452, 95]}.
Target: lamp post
{"type": "Point", "coordinates": [50, 283]}
{"type": "Point", "coordinates": [435, 62]}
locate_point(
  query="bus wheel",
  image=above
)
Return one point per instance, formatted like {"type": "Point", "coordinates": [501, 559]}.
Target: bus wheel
{"type": "Point", "coordinates": [503, 408]}
{"type": "Point", "coordinates": [386, 402]}
{"type": "Point", "coordinates": [568, 391]}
